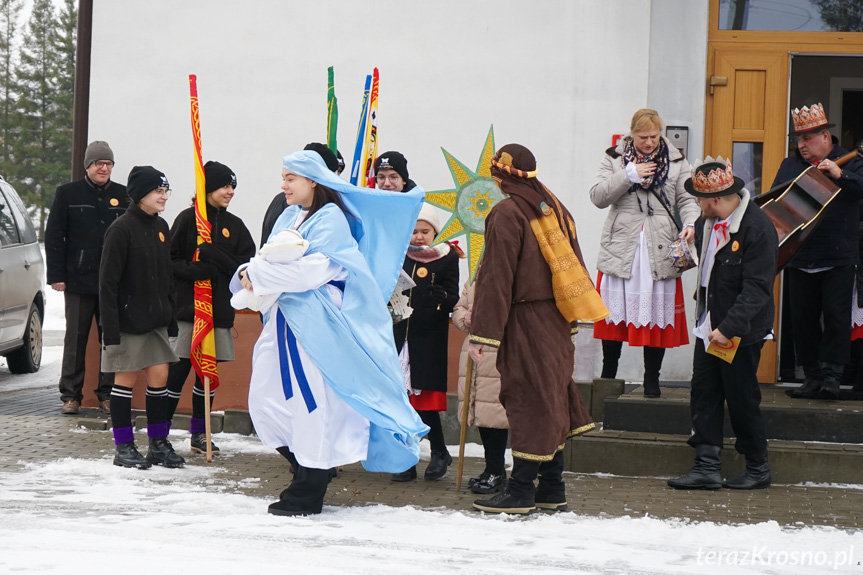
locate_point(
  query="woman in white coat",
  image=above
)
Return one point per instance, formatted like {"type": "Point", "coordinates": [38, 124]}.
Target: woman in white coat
{"type": "Point", "coordinates": [641, 181]}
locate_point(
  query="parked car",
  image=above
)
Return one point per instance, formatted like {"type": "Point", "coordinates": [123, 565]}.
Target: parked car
{"type": "Point", "coordinates": [22, 299]}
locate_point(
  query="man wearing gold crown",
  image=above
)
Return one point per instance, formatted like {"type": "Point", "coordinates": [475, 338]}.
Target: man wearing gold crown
{"type": "Point", "coordinates": [821, 274]}
{"type": "Point", "coordinates": [737, 248]}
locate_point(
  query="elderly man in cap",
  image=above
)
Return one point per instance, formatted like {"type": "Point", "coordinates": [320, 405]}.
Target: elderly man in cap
{"type": "Point", "coordinates": [80, 215]}
{"type": "Point", "coordinates": [821, 274]}
{"type": "Point", "coordinates": [737, 246]}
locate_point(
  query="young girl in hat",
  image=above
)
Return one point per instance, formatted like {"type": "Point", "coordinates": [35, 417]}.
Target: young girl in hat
{"type": "Point", "coordinates": [231, 246]}
{"type": "Point", "coordinates": [136, 303]}
{"type": "Point", "coordinates": [422, 338]}
{"type": "Point", "coordinates": [326, 387]}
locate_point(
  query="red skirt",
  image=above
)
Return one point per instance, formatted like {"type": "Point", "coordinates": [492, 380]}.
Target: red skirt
{"type": "Point", "coordinates": [655, 336]}
{"type": "Point", "coordinates": [429, 401]}
{"type": "Point", "coordinates": [856, 332]}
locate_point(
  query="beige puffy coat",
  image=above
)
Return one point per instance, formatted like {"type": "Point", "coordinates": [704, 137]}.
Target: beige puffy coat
{"type": "Point", "coordinates": [625, 220]}
{"type": "Point", "coordinates": [484, 409]}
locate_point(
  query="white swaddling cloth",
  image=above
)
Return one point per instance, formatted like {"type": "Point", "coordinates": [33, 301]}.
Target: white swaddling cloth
{"type": "Point", "coordinates": [286, 246]}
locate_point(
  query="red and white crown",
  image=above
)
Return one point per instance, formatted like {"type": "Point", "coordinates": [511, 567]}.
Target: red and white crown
{"type": "Point", "coordinates": [714, 181]}
{"type": "Point", "coordinates": [808, 118]}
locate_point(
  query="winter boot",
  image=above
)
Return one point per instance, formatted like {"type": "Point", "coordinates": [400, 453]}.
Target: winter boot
{"type": "Point", "coordinates": [199, 444]}
{"type": "Point", "coordinates": [438, 465]}
{"type": "Point", "coordinates": [610, 358]}
{"type": "Point", "coordinates": [652, 363]}
{"type": "Point", "coordinates": [518, 497]}
{"type": "Point", "coordinates": [489, 483]}
{"type": "Point", "coordinates": [305, 494]}
{"type": "Point", "coordinates": [812, 381]}
{"type": "Point", "coordinates": [832, 376]}
{"type": "Point", "coordinates": [405, 476]}
{"type": "Point", "coordinates": [161, 453]}
{"type": "Point", "coordinates": [127, 455]}
{"type": "Point", "coordinates": [551, 491]}
{"type": "Point", "coordinates": [705, 474]}
{"type": "Point", "coordinates": [756, 476]}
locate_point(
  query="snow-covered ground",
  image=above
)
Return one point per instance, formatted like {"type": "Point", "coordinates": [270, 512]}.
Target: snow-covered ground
{"type": "Point", "coordinates": [81, 516]}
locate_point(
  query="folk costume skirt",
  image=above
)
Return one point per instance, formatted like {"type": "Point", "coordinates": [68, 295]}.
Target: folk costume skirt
{"type": "Point", "coordinates": [643, 311]}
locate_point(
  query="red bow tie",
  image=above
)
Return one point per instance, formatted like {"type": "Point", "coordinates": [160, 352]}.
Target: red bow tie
{"type": "Point", "coordinates": [724, 227]}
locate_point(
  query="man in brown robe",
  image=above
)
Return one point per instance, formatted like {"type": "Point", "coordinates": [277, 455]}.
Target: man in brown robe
{"type": "Point", "coordinates": [530, 292]}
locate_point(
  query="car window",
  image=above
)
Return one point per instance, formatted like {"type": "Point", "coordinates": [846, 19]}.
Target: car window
{"type": "Point", "coordinates": [26, 230]}
{"type": "Point", "coordinates": [8, 229]}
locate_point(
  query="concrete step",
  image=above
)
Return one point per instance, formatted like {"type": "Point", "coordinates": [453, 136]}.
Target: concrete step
{"type": "Point", "coordinates": [784, 418]}
{"type": "Point", "coordinates": [637, 454]}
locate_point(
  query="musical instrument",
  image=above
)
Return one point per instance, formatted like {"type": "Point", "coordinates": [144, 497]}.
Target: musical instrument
{"type": "Point", "coordinates": [794, 207]}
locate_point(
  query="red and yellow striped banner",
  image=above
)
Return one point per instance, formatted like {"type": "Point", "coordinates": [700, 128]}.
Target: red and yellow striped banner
{"type": "Point", "coordinates": [203, 353]}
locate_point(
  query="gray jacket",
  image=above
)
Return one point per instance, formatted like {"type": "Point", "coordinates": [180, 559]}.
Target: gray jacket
{"type": "Point", "coordinates": [625, 220]}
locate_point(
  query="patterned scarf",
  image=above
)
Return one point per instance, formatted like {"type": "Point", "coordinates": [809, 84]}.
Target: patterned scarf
{"type": "Point", "coordinates": [574, 293]}
{"type": "Point", "coordinates": [655, 181]}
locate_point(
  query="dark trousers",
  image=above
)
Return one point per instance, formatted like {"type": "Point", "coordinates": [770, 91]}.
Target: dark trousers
{"type": "Point", "coordinates": [80, 311]}
{"type": "Point", "coordinates": [494, 444]}
{"type": "Point", "coordinates": [824, 295]}
{"type": "Point", "coordinates": [716, 382]}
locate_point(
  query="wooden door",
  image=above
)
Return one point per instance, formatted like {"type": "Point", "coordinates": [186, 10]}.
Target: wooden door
{"type": "Point", "coordinates": [747, 124]}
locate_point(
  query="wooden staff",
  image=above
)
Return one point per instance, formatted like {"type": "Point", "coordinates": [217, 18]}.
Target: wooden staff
{"type": "Point", "coordinates": [207, 428]}
{"type": "Point", "coordinates": [468, 376]}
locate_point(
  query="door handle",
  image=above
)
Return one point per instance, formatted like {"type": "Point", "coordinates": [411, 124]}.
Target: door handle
{"type": "Point", "coordinates": [27, 264]}
{"type": "Point", "coordinates": [717, 81]}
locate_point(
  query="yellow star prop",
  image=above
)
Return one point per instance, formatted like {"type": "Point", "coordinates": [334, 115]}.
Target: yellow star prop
{"type": "Point", "coordinates": [469, 203]}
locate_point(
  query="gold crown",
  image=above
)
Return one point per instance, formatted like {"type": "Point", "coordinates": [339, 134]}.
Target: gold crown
{"type": "Point", "coordinates": [714, 181]}
{"type": "Point", "coordinates": [808, 118]}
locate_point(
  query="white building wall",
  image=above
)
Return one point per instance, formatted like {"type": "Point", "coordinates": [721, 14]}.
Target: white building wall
{"type": "Point", "coordinates": [559, 76]}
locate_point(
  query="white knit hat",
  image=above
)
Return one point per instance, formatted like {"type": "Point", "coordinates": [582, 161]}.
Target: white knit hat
{"type": "Point", "coordinates": [428, 213]}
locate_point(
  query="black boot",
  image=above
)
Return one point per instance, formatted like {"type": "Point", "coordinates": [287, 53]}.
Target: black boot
{"type": "Point", "coordinates": [812, 381]}
{"type": "Point", "coordinates": [405, 476]}
{"type": "Point", "coordinates": [199, 444]}
{"type": "Point", "coordinates": [652, 364]}
{"type": "Point", "coordinates": [488, 482]}
{"type": "Point", "coordinates": [161, 453]}
{"type": "Point", "coordinates": [551, 491]}
{"type": "Point", "coordinates": [305, 494]}
{"type": "Point", "coordinates": [127, 455]}
{"type": "Point", "coordinates": [756, 476]}
{"type": "Point", "coordinates": [438, 465]}
{"type": "Point", "coordinates": [518, 498]}
{"type": "Point", "coordinates": [610, 358]}
{"type": "Point", "coordinates": [705, 474]}
{"type": "Point", "coordinates": [832, 376]}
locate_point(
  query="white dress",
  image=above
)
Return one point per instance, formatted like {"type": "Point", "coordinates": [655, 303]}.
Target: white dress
{"type": "Point", "coordinates": [331, 434]}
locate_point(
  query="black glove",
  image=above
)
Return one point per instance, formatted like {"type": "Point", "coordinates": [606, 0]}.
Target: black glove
{"type": "Point", "coordinates": [437, 294]}
{"type": "Point", "coordinates": [224, 261]}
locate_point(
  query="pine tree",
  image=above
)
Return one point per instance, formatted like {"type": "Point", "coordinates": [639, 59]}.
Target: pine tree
{"type": "Point", "coordinates": [42, 151]}
{"type": "Point", "coordinates": [9, 13]}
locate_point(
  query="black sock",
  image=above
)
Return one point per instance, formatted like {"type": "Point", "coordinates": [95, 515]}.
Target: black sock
{"type": "Point", "coordinates": [121, 406]}
{"type": "Point", "coordinates": [435, 436]}
{"type": "Point", "coordinates": [494, 444]}
{"type": "Point", "coordinates": [157, 398]}
{"type": "Point", "coordinates": [198, 399]}
{"type": "Point", "coordinates": [177, 374]}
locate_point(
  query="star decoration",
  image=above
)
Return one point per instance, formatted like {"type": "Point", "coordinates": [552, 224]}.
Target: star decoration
{"type": "Point", "coordinates": [469, 203]}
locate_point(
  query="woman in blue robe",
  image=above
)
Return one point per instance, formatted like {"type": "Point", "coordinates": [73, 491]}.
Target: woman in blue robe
{"type": "Point", "coordinates": [326, 386]}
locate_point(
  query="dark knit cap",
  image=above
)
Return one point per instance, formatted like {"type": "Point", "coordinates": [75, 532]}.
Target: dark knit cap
{"type": "Point", "coordinates": [326, 154]}
{"type": "Point", "coordinates": [97, 150]}
{"type": "Point", "coordinates": [341, 161]}
{"type": "Point", "coordinates": [218, 176]}
{"type": "Point", "coordinates": [143, 180]}
{"type": "Point", "coordinates": [394, 161]}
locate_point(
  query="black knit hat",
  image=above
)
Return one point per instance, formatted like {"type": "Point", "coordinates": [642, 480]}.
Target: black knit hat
{"type": "Point", "coordinates": [143, 180]}
{"type": "Point", "coordinates": [393, 161]}
{"type": "Point", "coordinates": [326, 154]}
{"type": "Point", "coordinates": [341, 161]}
{"type": "Point", "coordinates": [218, 176]}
